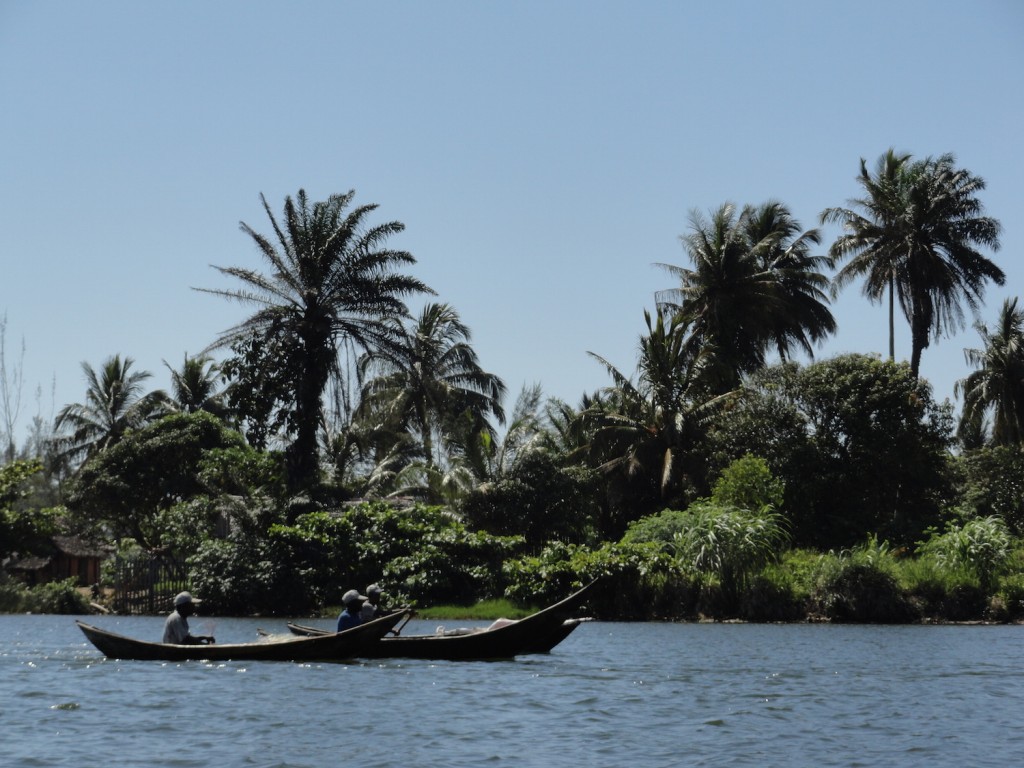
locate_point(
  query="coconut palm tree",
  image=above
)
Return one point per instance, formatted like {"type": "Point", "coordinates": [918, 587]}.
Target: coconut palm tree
{"type": "Point", "coordinates": [195, 386]}
{"type": "Point", "coordinates": [915, 233]}
{"type": "Point", "coordinates": [333, 284]}
{"type": "Point", "coordinates": [115, 402]}
{"type": "Point", "coordinates": [754, 286]}
{"type": "Point", "coordinates": [647, 431]}
{"type": "Point", "coordinates": [799, 313]}
{"type": "Point", "coordinates": [997, 386]}
{"type": "Point", "coordinates": [431, 382]}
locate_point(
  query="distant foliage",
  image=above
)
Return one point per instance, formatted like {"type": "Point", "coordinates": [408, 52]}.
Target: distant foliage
{"type": "Point", "coordinates": [60, 597]}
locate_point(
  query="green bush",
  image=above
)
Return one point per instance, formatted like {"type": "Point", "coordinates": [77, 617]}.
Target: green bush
{"type": "Point", "coordinates": [419, 554]}
{"type": "Point", "coordinates": [1008, 602]}
{"type": "Point", "coordinates": [60, 597]}
{"type": "Point", "coordinates": [981, 546]}
{"type": "Point", "coordinates": [863, 593]}
{"type": "Point", "coordinates": [635, 581]}
{"type": "Point", "coordinates": [748, 483]}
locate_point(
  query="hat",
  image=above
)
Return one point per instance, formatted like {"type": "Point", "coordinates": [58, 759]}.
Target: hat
{"type": "Point", "coordinates": [185, 597]}
{"type": "Point", "coordinates": [352, 596]}
{"type": "Point", "coordinates": [374, 589]}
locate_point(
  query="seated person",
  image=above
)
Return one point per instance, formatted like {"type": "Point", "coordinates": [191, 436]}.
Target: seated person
{"type": "Point", "coordinates": [176, 627]}
{"type": "Point", "coordinates": [372, 608]}
{"type": "Point", "coordinates": [350, 617]}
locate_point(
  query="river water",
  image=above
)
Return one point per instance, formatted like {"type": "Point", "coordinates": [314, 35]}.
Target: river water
{"type": "Point", "coordinates": [610, 695]}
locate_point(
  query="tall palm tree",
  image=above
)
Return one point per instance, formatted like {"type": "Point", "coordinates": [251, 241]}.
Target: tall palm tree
{"type": "Point", "coordinates": [333, 284]}
{"type": "Point", "coordinates": [431, 381]}
{"type": "Point", "coordinates": [915, 233]}
{"type": "Point", "coordinates": [115, 402]}
{"type": "Point", "coordinates": [997, 386]}
{"type": "Point", "coordinates": [195, 386]}
{"type": "Point", "coordinates": [799, 313]}
{"type": "Point", "coordinates": [754, 286]}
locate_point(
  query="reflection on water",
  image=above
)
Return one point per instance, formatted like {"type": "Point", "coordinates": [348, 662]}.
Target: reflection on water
{"type": "Point", "coordinates": [610, 695]}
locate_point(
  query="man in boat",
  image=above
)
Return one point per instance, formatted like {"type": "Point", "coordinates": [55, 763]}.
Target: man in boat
{"type": "Point", "coordinates": [372, 608]}
{"type": "Point", "coordinates": [351, 616]}
{"type": "Point", "coordinates": [176, 627]}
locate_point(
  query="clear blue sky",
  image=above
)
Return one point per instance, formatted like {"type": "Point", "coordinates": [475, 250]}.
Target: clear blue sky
{"type": "Point", "coordinates": [542, 155]}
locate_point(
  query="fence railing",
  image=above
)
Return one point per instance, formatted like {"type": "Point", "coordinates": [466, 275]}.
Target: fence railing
{"type": "Point", "coordinates": [145, 585]}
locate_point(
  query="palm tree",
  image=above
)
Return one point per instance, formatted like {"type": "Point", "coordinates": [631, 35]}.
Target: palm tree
{"type": "Point", "coordinates": [492, 459]}
{"type": "Point", "coordinates": [334, 284]}
{"type": "Point", "coordinates": [799, 312]}
{"type": "Point", "coordinates": [431, 382]}
{"type": "Point", "coordinates": [914, 233]}
{"type": "Point", "coordinates": [648, 431]}
{"type": "Point", "coordinates": [194, 387]}
{"type": "Point", "coordinates": [997, 386]}
{"type": "Point", "coordinates": [754, 285]}
{"type": "Point", "coordinates": [114, 404]}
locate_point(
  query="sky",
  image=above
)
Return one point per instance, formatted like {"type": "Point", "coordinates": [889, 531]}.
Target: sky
{"type": "Point", "coordinates": [544, 156]}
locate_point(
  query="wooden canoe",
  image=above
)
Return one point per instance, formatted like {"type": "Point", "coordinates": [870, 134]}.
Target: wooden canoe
{"type": "Point", "coordinates": [333, 647]}
{"type": "Point", "coordinates": [537, 633]}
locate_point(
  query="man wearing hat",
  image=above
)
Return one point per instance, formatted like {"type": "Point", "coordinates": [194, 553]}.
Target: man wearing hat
{"type": "Point", "coordinates": [350, 617]}
{"type": "Point", "coordinates": [371, 608]}
{"type": "Point", "coordinates": [176, 626]}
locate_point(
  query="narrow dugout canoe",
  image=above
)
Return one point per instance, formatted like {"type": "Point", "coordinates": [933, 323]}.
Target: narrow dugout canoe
{"type": "Point", "coordinates": [333, 647]}
{"type": "Point", "coordinates": [537, 633]}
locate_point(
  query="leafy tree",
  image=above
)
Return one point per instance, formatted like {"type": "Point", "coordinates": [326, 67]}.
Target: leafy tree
{"type": "Point", "coordinates": [127, 490]}
{"type": "Point", "coordinates": [754, 285]}
{"type": "Point", "coordinates": [997, 386]}
{"type": "Point", "coordinates": [798, 314]}
{"type": "Point", "coordinates": [115, 403]}
{"type": "Point", "coordinates": [992, 484]}
{"type": "Point", "coordinates": [23, 529]}
{"type": "Point", "coordinates": [859, 443]}
{"type": "Point", "coordinates": [334, 284]}
{"type": "Point", "coordinates": [419, 553]}
{"type": "Point", "coordinates": [491, 458]}
{"type": "Point", "coordinates": [538, 499]}
{"type": "Point", "coordinates": [916, 233]}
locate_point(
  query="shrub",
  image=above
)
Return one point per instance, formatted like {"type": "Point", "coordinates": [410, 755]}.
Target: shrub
{"type": "Point", "coordinates": [981, 546]}
{"type": "Point", "coordinates": [748, 483]}
{"type": "Point", "coordinates": [863, 593]}
{"type": "Point", "coordinates": [636, 580]}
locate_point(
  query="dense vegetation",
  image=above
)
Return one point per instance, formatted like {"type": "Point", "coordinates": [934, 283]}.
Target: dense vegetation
{"type": "Point", "coordinates": [342, 439]}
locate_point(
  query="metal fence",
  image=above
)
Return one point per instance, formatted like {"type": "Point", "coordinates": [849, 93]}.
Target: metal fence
{"type": "Point", "coordinates": [146, 585]}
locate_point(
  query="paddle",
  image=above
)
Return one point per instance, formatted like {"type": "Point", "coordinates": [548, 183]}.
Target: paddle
{"type": "Point", "coordinates": [398, 630]}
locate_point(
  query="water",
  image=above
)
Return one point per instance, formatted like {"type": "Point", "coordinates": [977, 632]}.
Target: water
{"type": "Point", "coordinates": [611, 695]}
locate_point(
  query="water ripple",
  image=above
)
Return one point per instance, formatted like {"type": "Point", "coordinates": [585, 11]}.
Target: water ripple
{"type": "Point", "coordinates": [611, 695]}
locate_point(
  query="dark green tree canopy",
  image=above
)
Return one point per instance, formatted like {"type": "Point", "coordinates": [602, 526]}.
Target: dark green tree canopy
{"type": "Point", "coordinates": [859, 443]}
{"type": "Point", "coordinates": [123, 490]}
